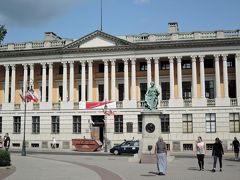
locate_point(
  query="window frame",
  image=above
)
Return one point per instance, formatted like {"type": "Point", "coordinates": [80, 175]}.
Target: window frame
{"type": "Point", "coordinates": [211, 122]}
{"type": "Point", "coordinates": [188, 121]}
{"type": "Point", "coordinates": [165, 121]}
{"type": "Point", "coordinates": [77, 125]}
{"type": "Point", "coordinates": [118, 124]}
{"type": "Point", "coordinates": [17, 124]}
{"type": "Point", "coordinates": [234, 120]}
{"type": "Point", "coordinates": [55, 125]}
{"type": "Point", "coordinates": [36, 125]}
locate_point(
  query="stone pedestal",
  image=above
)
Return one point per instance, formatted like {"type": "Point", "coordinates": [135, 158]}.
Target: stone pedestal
{"type": "Point", "coordinates": [8, 106]}
{"type": "Point", "coordinates": [222, 101]}
{"type": "Point", "coordinates": [199, 102]}
{"type": "Point", "coordinates": [45, 105]}
{"type": "Point", "coordinates": [67, 105]}
{"type": "Point", "coordinates": [129, 104]}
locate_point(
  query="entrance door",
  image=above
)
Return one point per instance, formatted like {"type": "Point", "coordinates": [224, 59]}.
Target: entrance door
{"type": "Point", "coordinates": [97, 130]}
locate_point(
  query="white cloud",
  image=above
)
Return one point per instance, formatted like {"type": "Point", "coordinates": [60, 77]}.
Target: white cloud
{"type": "Point", "coordinates": [141, 1]}
{"type": "Point", "coordinates": [33, 12]}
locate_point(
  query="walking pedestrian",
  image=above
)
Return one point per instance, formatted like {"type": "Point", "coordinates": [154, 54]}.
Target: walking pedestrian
{"type": "Point", "coordinates": [54, 143]}
{"type": "Point", "coordinates": [161, 152]}
{"type": "Point", "coordinates": [200, 151]}
{"type": "Point", "coordinates": [217, 153]}
{"type": "Point", "coordinates": [235, 145]}
{"type": "Point", "coordinates": [6, 141]}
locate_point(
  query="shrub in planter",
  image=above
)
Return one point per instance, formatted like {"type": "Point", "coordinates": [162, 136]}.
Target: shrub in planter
{"type": "Point", "coordinates": [5, 159]}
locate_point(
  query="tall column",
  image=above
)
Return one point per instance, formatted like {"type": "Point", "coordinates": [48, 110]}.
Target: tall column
{"type": "Point", "coordinates": [106, 98]}
{"type": "Point", "coordinates": [171, 77]}
{"type": "Point", "coordinates": [113, 80]}
{"type": "Point", "coordinates": [225, 76]}
{"type": "Point", "coordinates": [126, 92]}
{"type": "Point", "coordinates": [6, 83]}
{"type": "Point", "coordinates": [179, 76]}
{"type": "Point", "coordinates": [83, 84]}
{"type": "Point", "coordinates": [156, 75]}
{"type": "Point", "coordinates": [13, 83]}
{"type": "Point", "coordinates": [149, 72]}
{"type": "Point", "coordinates": [32, 74]}
{"type": "Point", "coordinates": [194, 77]}
{"type": "Point", "coordinates": [50, 81]}
{"type": "Point", "coordinates": [237, 72]}
{"type": "Point", "coordinates": [133, 78]}
{"type": "Point", "coordinates": [64, 81]}
{"type": "Point", "coordinates": [217, 76]}
{"type": "Point", "coordinates": [202, 76]}
{"type": "Point", "coordinates": [71, 81]}
{"type": "Point", "coordinates": [43, 82]}
{"type": "Point", "coordinates": [90, 80]}
{"type": "Point", "coordinates": [25, 74]}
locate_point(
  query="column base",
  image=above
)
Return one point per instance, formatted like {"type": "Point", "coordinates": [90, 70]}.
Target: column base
{"type": "Point", "coordinates": [199, 102]}
{"type": "Point", "coordinates": [45, 105]}
{"type": "Point", "coordinates": [129, 104]}
{"type": "Point", "coordinates": [8, 106]}
{"type": "Point", "coordinates": [222, 101]}
{"type": "Point", "coordinates": [67, 105]}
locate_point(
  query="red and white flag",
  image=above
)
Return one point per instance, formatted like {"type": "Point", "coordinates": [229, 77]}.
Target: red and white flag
{"type": "Point", "coordinates": [30, 96]}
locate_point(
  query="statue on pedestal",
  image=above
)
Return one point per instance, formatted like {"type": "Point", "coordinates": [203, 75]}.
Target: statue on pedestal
{"type": "Point", "coordinates": [151, 97]}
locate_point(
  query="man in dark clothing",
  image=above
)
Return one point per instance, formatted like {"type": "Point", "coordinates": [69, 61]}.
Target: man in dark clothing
{"type": "Point", "coordinates": [6, 142]}
{"type": "Point", "coordinates": [235, 144]}
{"type": "Point", "coordinates": [217, 153]}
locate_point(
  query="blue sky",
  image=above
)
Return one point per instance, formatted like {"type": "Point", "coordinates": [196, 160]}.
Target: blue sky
{"type": "Point", "coordinates": [27, 20]}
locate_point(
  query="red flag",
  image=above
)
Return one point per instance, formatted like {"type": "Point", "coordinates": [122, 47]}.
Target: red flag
{"type": "Point", "coordinates": [30, 96]}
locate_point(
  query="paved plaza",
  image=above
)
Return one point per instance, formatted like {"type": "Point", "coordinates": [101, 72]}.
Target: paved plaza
{"type": "Point", "coordinates": [71, 166]}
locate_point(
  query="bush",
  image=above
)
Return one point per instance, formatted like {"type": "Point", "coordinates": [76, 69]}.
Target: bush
{"type": "Point", "coordinates": [5, 159]}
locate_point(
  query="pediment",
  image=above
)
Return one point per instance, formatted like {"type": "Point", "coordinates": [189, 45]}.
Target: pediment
{"type": "Point", "coordinates": [97, 39]}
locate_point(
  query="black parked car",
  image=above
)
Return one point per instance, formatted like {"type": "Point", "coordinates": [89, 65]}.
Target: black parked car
{"type": "Point", "coordinates": [128, 147]}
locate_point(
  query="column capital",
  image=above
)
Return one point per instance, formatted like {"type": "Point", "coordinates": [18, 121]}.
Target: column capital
{"type": "Point", "coordinates": [193, 58]}
{"type": "Point", "coordinates": [31, 65]}
{"type": "Point", "coordinates": [25, 66]}
{"type": "Point", "coordinates": [83, 63]}
{"type": "Point", "coordinates": [133, 61]}
{"type": "Point", "coordinates": [6, 66]}
{"type": "Point", "coordinates": [156, 60]}
{"type": "Point", "coordinates": [171, 58]}
{"type": "Point", "coordinates": [237, 55]}
{"type": "Point", "coordinates": [216, 56]}
{"type": "Point", "coordinates": [71, 62]}
{"type": "Point", "coordinates": [50, 65]}
{"type": "Point", "coordinates": [64, 64]}
{"type": "Point", "coordinates": [89, 62]}
{"type": "Point", "coordinates": [105, 61]}
{"type": "Point", "coordinates": [13, 66]}
{"type": "Point", "coordinates": [179, 59]}
{"type": "Point", "coordinates": [113, 61]}
{"type": "Point", "coordinates": [224, 57]}
{"type": "Point", "coordinates": [201, 57]}
{"type": "Point", "coordinates": [148, 59]}
{"type": "Point", "coordinates": [125, 60]}
{"type": "Point", "coordinates": [43, 65]}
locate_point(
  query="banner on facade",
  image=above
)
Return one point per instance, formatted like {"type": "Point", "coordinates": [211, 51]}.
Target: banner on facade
{"type": "Point", "coordinates": [97, 105]}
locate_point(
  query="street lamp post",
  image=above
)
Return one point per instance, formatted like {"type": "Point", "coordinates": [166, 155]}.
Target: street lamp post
{"type": "Point", "coordinates": [25, 115]}
{"type": "Point", "coordinates": [105, 128]}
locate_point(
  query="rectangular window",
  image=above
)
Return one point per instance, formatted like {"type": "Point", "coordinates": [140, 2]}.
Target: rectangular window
{"type": "Point", "coordinates": [186, 90]}
{"type": "Point", "coordinates": [164, 65]}
{"type": "Point", "coordinates": [17, 124]}
{"type": "Point", "coordinates": [140, 123]}
{"type": "Point", "coordinates": [165, 124]}
{"type": "Point", "coordinates": [186, 64]}
{"type": "Point", "coordinates": [120, 92]}
{"type": "Point", "coordinates": [100, 92]}
{"type": "Point", "coordinates": [76, 124]}
{"type": "Point", "coordinates": [55, 125]}
{"type": "Point", "coordinates": [60, 69]}
{"type": "Point", "coordinates": [165, 90]}
{"type": "Point", "coordinates": [187, 147]}
{"type": "Point", "coordinates": [230, 62]}
{"type": "Point", "coordinates": [36, 124]}
{"type": "Point", "coordinates": [60, 93]}
{"type": "Point", "coordinates": [209, 147]}
{"type": "Point", "coordinates": [0, 124]}
{"type": "Point", "coordinates": [187, 123]}
{"type": "Point", "coordinates": [101, 68]}
{"type": "Point", "coordinates": [234, 122]}
{"type": "Point", "coordinates": [210, 122]}
{"type": "Point", "coordinates": [129, 127]}
{"type": "Point", "coordinates": [143, 66]}
{"type": "Point", "coordinates": [209, 88]}
{"type": "Point", "coordinates": [208, 63]}
{"type": "Point", "coordinates": [80, 92]}
{"type": "Point", "coordinates": [143, 90]}
{"type": "Point", "coordinates": [120, 67]}
{"type": "Point", "coordinates": [232, 88]}
{"type": "Point", "coordinates": [118, 124]}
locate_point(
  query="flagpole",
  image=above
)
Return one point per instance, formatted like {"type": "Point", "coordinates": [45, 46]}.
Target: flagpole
{"type": "Point", "coordinates": [101, 15]}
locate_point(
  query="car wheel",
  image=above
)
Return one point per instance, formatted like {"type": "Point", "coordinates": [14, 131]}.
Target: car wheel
{"type": "Point", "coordinates": [116, 152]}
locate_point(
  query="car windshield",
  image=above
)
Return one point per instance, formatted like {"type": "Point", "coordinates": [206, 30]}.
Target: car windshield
{"type": "Point", "coordinates": [130, 143]}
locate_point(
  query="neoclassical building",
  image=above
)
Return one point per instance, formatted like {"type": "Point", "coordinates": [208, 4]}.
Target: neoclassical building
{"type": "Point", "coordinates": [197, 74]}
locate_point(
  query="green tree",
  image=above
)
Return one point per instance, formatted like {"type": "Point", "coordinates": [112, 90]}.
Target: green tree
{"type": "Point", "coordinates": [3, 32]}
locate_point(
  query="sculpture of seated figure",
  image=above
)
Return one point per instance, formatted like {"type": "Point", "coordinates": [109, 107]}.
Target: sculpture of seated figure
{"type": "Point", "coordinates": [151, 97]}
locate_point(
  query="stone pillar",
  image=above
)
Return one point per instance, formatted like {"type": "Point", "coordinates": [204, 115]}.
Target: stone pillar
{"type": "Point", "coordinates": [194, 77]}
{"type": "Point", "coordinates": [64, 99]}
{"type": "Point", "coordinates": [13, 84]}
{"type": "Point", "coordinates": [106, 98]}
{"type": "Point", "coordinates": [156, 76]}
{"type": "Point", "coordinates": [172, 98]}
{"type": "Point", "coordinates": [32, 74]}
{"type": "Point", "coordinates": [50, 81]}
{"type": "Point", "coordinates": [83, 84]}
{"type": "Point", "coordinates": [43, 82]}
{"type": "Point", "coordinates": [237, 72]}
{"type": "Point", "coordinates": [217, 76]}
{"type": "Point", "coordinates": [25, 74]}
{"type": "Point", "coordinates": [203, 100]}
{"type": "Point", "coordinates": [149, 71]}
{"type": "Point", "coordinates": [71, 82]}
{"type": "Point", "coordinates": [179, 100]}
{"type": "Point", "coordinates": [133, 77]}
{"type": "Point", "coordinates": [90, 80]}
{"type": "Point", "coordinates": [6, 100]}
{"type": "Point", "coordinates": [113, 80]}
{"type": "Point", "coordinates": [126, 93]}
{"type": "Point", "coordinates": [225, 76]}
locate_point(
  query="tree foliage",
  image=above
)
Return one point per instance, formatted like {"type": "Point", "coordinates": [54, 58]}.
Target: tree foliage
{"type": "Point", "coordinates": [3, 32]}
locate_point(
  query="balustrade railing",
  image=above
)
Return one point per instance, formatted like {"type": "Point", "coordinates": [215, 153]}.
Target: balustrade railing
{"type": "Point", "coordinates": [233, 102]}
{"type": "Point", "coordinates": [210, 102]}
{"type": "Point", "coordinates": [17, 106]}
{"type": "Point", "coordinates": [164, 103]}
{"type": "Point", "coordinates": [56, 106]}
{"type": "Point", "coordinates": [187, 102]}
